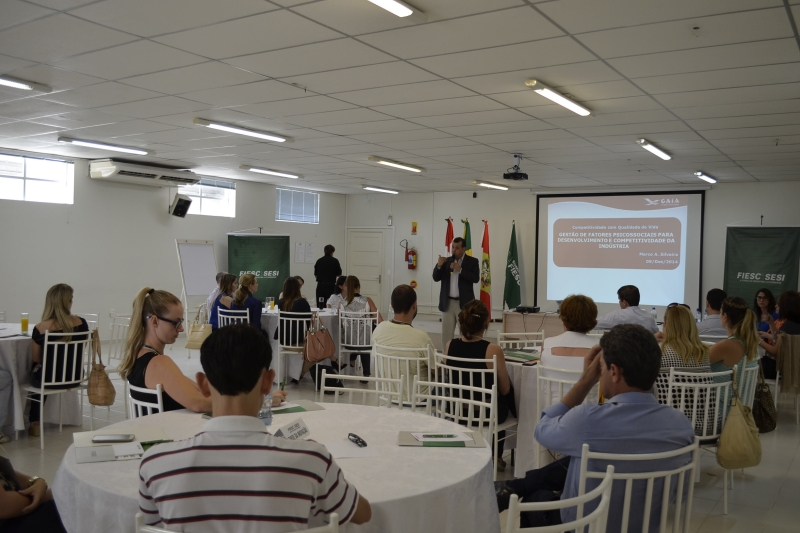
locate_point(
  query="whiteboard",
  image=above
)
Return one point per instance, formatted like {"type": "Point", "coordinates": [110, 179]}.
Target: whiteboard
{"type": "Point", "coordinates": [198, 266]}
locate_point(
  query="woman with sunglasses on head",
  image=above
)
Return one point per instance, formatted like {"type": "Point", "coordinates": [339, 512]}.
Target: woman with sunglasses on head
{"type": "Point", "coordinates": [740, 349]}
{"type": "Point", "coordinates": [156, 321]}
{"type": "Point", "coordinates": [339, 294]}
{"type": "Point", "coordinates": [681, 348]}
{"type": "Point", "coordinates": [225, 299]}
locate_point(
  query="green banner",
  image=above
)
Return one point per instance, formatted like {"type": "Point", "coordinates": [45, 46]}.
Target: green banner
{"type": "Point", "coordinates": [757, 258]}
{"type": "Point", "coordinates": [265, 256]}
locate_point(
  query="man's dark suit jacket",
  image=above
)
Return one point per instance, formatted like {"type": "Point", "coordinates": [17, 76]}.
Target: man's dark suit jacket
{"type": "Point", "coordinates": [470, 274]}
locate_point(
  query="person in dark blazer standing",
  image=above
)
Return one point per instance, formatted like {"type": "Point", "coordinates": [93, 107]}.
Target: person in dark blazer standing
{"type": "Point", "coordinates": [326, 269]}
{"type": "Point", "coordinates": [458, 273]}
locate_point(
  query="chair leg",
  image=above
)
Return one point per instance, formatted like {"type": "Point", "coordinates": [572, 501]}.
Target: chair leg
{"type": "Point", "coordinates": [61, 412]}
{"type": "Point", "coordinates": [725, 492]}
{"type": "Point", "coordinates": [91, 417]}
{"type": "Point", "coordinates": [731, 478]}
{"type": "Point", "coordinates": [41, 420]}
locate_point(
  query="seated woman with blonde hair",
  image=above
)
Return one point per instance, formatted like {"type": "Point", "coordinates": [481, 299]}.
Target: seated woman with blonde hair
{"type": "Point", "coordinates": [681, 347]}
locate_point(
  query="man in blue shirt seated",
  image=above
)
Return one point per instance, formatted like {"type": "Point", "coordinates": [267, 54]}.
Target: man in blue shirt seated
{"type": "Point", "coordinates": [628, 312]}
{"type": "Point", "coordinates": [631, 421]}
{"type": "Point", "coordinates": [711, 326]}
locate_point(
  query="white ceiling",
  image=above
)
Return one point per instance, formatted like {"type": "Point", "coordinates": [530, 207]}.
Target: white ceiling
{"type": "Point", "coordinates": [348, 80]}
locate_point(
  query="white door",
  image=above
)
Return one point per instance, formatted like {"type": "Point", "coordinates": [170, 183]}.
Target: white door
{"type": "Point", "coordinates": [365, 261]}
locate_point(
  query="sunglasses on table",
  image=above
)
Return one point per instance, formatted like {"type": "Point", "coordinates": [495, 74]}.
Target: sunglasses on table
{"type": "Point", "coordinates": [358, 440]}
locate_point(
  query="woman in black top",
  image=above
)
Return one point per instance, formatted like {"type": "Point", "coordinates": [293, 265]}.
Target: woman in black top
{"type": "Point", "coordinates": [156, 321]}
{"type": "Point", "coordinates": [292, 302]}
{"type": "Point", "coordinates": [789, 319]}
{"type": "Point", "coordinates": [26, 504]}
{"type": "Point", "coordinates": [473, 321]}
{"type": "Point", "coordinates": [56, 318]}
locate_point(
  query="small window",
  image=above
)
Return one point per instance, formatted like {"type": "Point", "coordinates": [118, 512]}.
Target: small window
{"type": "Point", "coordinates": [214, 198]}
{"type": "Point", "coordinates": [31, 179]}
{"type": "Point", "coordinates": [297, 206]}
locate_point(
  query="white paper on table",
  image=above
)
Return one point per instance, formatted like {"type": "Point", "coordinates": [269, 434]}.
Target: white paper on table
{"type": "Point", "coordinates": [284, 405]}
{"type": "Point", "coordinates": [348, 449]}
{"type": "Point", "coordinates": [128, 449]}
{"type": "Point", "coordinates": [457, 437]}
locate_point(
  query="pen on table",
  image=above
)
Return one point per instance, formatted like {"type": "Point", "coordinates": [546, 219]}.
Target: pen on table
{"type": "Point", "coordinates": [424, 436]}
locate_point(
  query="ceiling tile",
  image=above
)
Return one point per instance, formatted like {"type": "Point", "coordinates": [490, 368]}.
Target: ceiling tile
{"type": "Point", "coordinates": [353, 17]}
{"type": "Point", "coordinates": [154, 107]}
{"type": "Point", "coordinates": [388, 137]}
{"type": "Point", "coordinates": [61, 5]}
{"type": "Point", "coordinates": [156, 17]}
{"type": "Point", "coordinates": [30, 108]}
{"type": "Point", "coordinates": [120, 129]}
{"type": "Point", "coordinates": [738, 95]}
{"type": "Point", "coordinates": [100, 94]}
{"type": "Point", "coordinates": [186, 120]}
{"type": "Point", "coordinates": [721, 79]}
{"type": "Point", "coordinates": [132, 59]}
{"type": "Point", "coordinates": [193, 78]}
{"type": "Point", "coordinates": [557, 51]}
{"type": "Point", "coordinates": [468, 119]}
{"type": "Point", "coordinates": [380, 126]}
{"type": "Point", "coordinates": [398, 94]}
{"type": "Point", "coordinates": [330, 55]}
{"type": "Point", "coordinates": [8, 63]}
{"type": "Point", "coordinates": [467, 33]}
{"type": "Point", "coordinates": [613, 119]}
{"type": "Point", "coordinates": [346, 116]}
{"type": "Point", "coordinates": [284, 108]}
{"type": "Point", "coordinates": [79, 119]}
{"type": "Point", "coordinates": [58, 79]}
{"type": "Point", "coordinates": [440, 107]}
{"type": "Point", "coordinates": [259, 33]}
{"type": "Point", "coordinates": [498, 127]}
{"type": "Point", "coordinates": [734, 110]}
{"type": "Point", "coordinates": [366, 77]}
{"type": "Point", "coordinates": [678, 35]}
{"type": "Point", "coordinates": [58, 36]}
{"type": "Point", "coordinates": [16, 12]}
{"type": "Point", "coordinates": [248, 93]}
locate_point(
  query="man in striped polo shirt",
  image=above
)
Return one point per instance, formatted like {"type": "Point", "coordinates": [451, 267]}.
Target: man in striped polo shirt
{"type": "Point", "coordinates": [234, 476]}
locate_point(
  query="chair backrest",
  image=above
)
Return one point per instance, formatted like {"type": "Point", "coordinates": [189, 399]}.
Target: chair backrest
{"type": "Point", "coordinates": [712, 339]}
{"type": "Point", "coordinates": [92, 319]}
{"type": "Point", "coordinates": [64, 358]}
{"type": "Point", "coordinates": [641, 494]}
{"type": "Point", "coordinates": [594, 522]}
{"type": "Point", "coordinates": [553, 384]}
{"type": "Point", "coordinates": [2, 315]}
{"type": "Point", "coordinates": [137, 408]}
{"type": "Point", "coordinates": [403, 363]}
{"type": "Point", "coordinates": [704, 397]}
{"type": "Point", "coordinates": [520, 341]}
{"type": "Point", "coordinates": [788, 361]}
{"type": "Point", "coordinates": [747, 384]}
{"type": "Point", "coordinates": [465, 371]}
{"type": "Point", "coordinates": [355, 328]}
{"type": "Point", "coordinates": [226, 317]}
{"type": "Point", "coordinates": [292, 328]}
{"type": "Point", "coordinates": [115, 349]}
{"type": "Point", "coordinates": [387, 392]}
{"type": "Point", "coordinates": [596, 334]}
{"type": "Point", "coordinates": [457, 403]}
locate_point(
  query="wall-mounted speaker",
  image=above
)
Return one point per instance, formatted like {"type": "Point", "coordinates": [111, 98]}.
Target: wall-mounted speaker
{"type": "Point", "coordinates": [180, 206]}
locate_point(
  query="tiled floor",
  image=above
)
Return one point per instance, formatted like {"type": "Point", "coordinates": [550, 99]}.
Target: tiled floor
{"type": "Point", "coordinates": [766, 499]}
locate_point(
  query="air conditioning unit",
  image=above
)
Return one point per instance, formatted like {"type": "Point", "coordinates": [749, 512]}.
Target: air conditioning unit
{"type": "Point", "coordinates": [118, 172]}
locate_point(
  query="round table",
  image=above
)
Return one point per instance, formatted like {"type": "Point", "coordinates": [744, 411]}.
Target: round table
{"type": "Point", "coordinates": [409, 488]}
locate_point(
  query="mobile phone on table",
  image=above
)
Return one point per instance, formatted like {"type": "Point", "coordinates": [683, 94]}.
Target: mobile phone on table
{"type": "Point", "coordinates": [113, 439]}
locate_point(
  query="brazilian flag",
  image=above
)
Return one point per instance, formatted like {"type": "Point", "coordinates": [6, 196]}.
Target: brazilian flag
{"type": "Point", "coordinates": [467, 236]}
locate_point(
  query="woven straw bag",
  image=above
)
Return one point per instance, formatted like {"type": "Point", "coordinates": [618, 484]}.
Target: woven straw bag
{"type": "Point", "coordinates": [739, 445]}
{"type": "Point", "coordinates": [100, 389]}
{"type": "Point", "coordinates": [198, 332]}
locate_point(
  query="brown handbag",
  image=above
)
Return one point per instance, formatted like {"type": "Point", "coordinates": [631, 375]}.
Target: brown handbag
{"type": "Point", "coordinates": [764, 412]}
{"type": "Point", "coordinates": [100, 389]}
{"type": "Point", "coordinates": [318, 344]}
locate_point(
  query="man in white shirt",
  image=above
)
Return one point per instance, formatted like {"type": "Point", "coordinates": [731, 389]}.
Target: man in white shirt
{"type": "Point", "coordinates": [629, 312]}
{"type": "Point", "coordinates": [711, 326]}
{"type": "Point", "coordinates": [213, 296]}
{"type": "Point", "coordinates": [234, 476]}
{"type": "Point", "coordinates": [399, 333]}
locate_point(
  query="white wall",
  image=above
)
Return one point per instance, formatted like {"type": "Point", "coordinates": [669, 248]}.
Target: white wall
{"type": "Point", "coordinates": [726, 204]}
{"type": "Point", "coordinates": [117, 238]}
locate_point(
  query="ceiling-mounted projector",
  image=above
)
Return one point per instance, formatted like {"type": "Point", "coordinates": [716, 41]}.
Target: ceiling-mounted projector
{"type": "Point", "coordinates": [514, 173]}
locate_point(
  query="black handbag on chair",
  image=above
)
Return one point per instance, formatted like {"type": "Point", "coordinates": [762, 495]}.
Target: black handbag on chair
{"type": "Point", "coordinates": [764, 412]}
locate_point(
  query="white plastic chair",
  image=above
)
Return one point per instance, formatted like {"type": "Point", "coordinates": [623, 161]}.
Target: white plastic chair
{"type": "Point", "coordinates": [551, 385]}
{"type": "Point", "coordinates": [706, 404]}
{"type": "Point", "coordinates": [651, 487]}
{"type": "Point", "coordinates": [747, 385]}
{"type": "Point", "coordinates": [137, 408]}
{"type": "Point", "coordinates": [521, 340]}
{"type": "Point", "coordinates": [355, 335]}
{"type": "Point", "coordinates": [596, 334]}
{"type": "Point", "coordinates": [115, 349]}
{"type": "Point", "coordinates": [387, 392]}
{"type": "Point", "coordinates": [713, 339]}
{"type": "Point", "coordinates": [92, 319]}
{"type": "Point", "coordinates": [62, 353]}
{"type": "Point", "coordinates": [391, 363]}
{"type": "Point", "coordinates": [291, 327]}
{"type": "Point", "coordinates": [226, 317]}
{"type": "Point", "coordinates": [2, 316]}
{"type": "Point", "coordinates": [595, 522]}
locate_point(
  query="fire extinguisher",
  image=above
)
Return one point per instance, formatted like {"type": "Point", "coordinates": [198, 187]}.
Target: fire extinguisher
{"type": "Point", "coordinates": [411, 255]}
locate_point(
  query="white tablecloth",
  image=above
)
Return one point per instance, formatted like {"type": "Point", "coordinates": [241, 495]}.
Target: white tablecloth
{"type": "Point", "coordinates": [269, 323]}
{"type": "Point", "coordinates": [15, 357]}
{"type": "Point", "coordinates": [422, 490]}
{"type": "Point", "coordinates": [525, 386]}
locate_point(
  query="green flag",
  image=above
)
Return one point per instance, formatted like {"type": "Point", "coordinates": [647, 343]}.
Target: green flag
{"type": "Point", "coordinates": [511, 292]}
{"type": "Point", "coordinates": [759, 257]}
{"type": "Point", "coordinates": [467, 236]}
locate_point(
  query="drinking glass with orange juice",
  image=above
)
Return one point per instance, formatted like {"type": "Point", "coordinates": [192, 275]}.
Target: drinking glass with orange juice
{"type": "Point", "coordinates": [24, 323]}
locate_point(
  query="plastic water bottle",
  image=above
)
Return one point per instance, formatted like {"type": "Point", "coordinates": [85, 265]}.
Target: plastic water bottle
{"type": "Point", "coordinates": [265, 414]}
{"type": "Point", "coordinates": [697, 315]}
{"type": "Point", "coordinates": [654, 314]}
{"type": "Point", "coordinates": [705, 314]}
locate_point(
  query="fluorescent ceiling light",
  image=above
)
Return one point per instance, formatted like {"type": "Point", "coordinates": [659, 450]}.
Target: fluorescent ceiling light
{"type": "Point", "coordinates": [16, 83]}
{"type": "Point", "coordinates": [104, 146]}
{"type": "Point", "coordinates": [378, 189]}
{"type": "Point", "coordinates": [394, 164]}
{"type": "Point", "coordinates": [268, 171]}
{"type": "Point", "coordinates": [491, 185]}
{"type": "Point", "coordinates": [704, 177]}
{"type": "Point", "coordinates": [241, 131]}
{"type": "Point", "coordinates": [563, 101]}
{"type": "Point", "coordinates": [654, 149]}
{"type": "Point", "coordinates": [401, 9]}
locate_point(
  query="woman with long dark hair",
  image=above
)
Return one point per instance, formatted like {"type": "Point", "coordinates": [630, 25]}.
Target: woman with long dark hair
{"type": "Point", "coordinates": [764, 308]}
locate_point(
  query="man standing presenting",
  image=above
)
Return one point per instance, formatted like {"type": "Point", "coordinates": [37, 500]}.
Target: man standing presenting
{"type": "Point", "coordinates": [458, 273]}
{"type": "Point", "coordinates": [711, 324]}
{"type": "Point", "coordinates": [326, 270]}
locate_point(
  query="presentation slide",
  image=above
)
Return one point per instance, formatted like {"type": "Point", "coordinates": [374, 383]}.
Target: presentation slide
{"type": "Point", "coordinates": [593, 245]}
